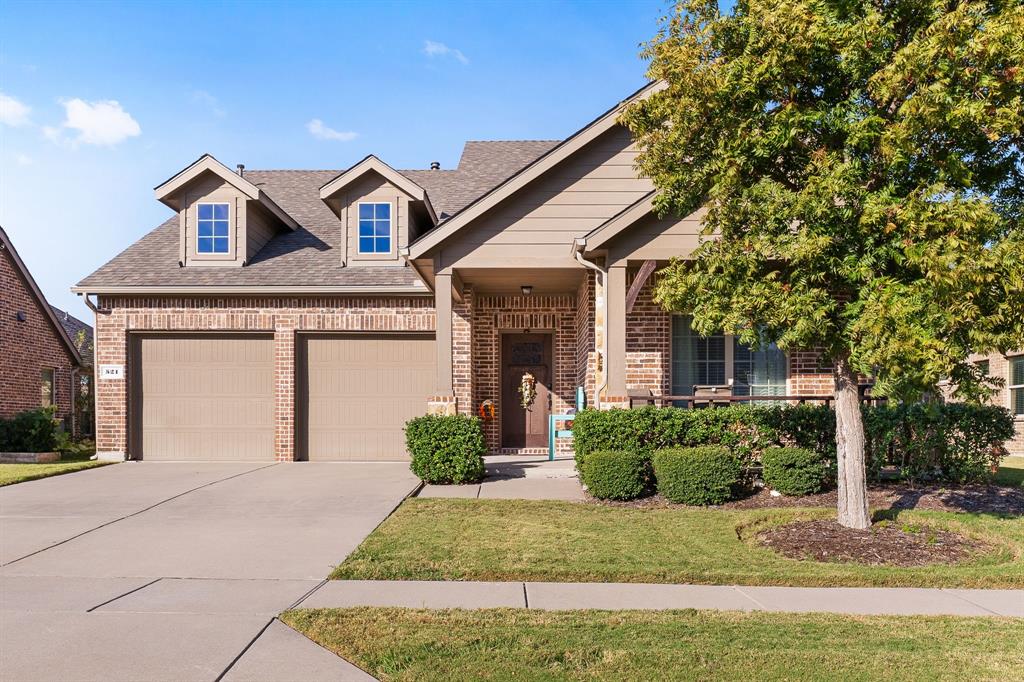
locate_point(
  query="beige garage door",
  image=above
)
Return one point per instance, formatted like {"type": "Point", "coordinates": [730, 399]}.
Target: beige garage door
{"type": "Point", "coordinates": [203, 397]}
{"type": "Point", "coordinates": [356, 392]}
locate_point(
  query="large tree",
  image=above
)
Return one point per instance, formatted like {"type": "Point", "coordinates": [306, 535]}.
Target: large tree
{"type": "Point", "coordinates": [861, 166]}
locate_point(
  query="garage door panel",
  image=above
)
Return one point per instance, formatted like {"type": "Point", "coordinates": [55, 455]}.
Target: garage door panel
{"type": "Point", "coordinates": [358, 391]}
{"type": "Point", "coordinates": [205, 397]}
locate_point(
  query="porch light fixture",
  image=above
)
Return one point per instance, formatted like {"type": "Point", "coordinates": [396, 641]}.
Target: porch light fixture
{"type": "Point", "coordinates": [527, 289]}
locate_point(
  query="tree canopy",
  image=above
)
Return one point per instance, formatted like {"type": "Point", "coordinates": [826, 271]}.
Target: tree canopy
{"type": "Point", "coordinates": [861, 167]}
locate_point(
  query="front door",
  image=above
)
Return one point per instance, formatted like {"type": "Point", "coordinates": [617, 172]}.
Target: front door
{"type": "Point", "coordinates": [525, 354]}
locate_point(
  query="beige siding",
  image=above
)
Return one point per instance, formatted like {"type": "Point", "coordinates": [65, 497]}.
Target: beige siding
{"type": "Point", "coordinates": [259, 227]}
{"type": "Point", "coordinates": [657, 239]}
{"type": "Point", "coordinates": [356, 392]}
{"type": "Point", "coordinates": [203, 397]}
{"type": "Point", "coordinates": [373, 187]}
{"type": "Point", "coordinates": [210, 187]}
{"type": "Point", "coordinates": [570, 200]}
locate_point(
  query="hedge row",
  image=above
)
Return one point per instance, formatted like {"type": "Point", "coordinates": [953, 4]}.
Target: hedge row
{"type": "Point", "coordinates": [954, 442]}
{"type": "Point", "coordinates": [446, 448]}
{"type": "Point", "coordinates": [32, 431]}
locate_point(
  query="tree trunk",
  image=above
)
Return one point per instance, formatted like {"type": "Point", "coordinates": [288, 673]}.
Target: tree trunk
{"type": "Point", "coordinates": [851, 471]}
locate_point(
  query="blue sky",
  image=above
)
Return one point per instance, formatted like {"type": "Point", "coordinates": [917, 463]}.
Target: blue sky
{"type": "Point", "coordinates": [102, 102]}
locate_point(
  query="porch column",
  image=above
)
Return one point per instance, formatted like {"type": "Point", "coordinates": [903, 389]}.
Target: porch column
{"type": "Point", "coordinates": [443, 400]}
{"type": "Point", "coordinates": [615, 328]}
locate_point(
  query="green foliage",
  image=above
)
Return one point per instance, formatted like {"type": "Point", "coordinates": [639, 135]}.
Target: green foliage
{"type": "Point", "coordinates": [795, 471]}
{"type": "Point", "coordinates": [952, 442]}
{"type": "Point", "coordinates": [699, 476]}
{"type": "Point", "coordinates": [31, 431]}
{"type": "Point", "coordinates": [875, 147]}
{"type": "Point", "coordinates": [617, 474]}
{"type": "Point", "coordinates": [446, 449]}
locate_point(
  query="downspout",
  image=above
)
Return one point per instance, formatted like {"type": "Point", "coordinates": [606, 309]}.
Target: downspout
{"type": "Point", "coordinates": [94, 382]}
{"type": "Point", "coordinates": [578, 247]}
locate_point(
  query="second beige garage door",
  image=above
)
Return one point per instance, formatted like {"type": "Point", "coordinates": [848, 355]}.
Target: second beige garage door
{"type": "Point", "coordinates": [356, 392]}
{"type": "Point", "coordinates": [202, 397]}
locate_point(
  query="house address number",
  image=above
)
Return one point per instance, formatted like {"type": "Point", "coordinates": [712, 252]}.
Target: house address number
{"type": "Point", "coordinates": [111, 371]}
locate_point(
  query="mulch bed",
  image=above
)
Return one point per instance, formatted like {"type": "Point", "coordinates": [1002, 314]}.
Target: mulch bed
{"type": "Point", "coordinates": [884, 544]}
{"type": "Point", "coordinates": [984, 499]}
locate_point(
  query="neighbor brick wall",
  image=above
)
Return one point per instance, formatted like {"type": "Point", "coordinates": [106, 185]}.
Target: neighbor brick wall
{"type": "Point", "coordinates": [283, 316]}
{"type": "Point", "coordinates": [26, 348]}
{"type": "Point", "coordinates": [999, 366]}
{"type": "Point", "coordinates": [494, 314]}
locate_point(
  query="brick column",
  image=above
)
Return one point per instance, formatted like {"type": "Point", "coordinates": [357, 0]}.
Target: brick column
{"type": "Point", "coordinates": [615, 327]}
{"type": "Point", "coordinates": [443, 399]}
{"type": "Point", "coordinates": [462, 353]}
{"type": "Point", "coordinates": [284, 389]}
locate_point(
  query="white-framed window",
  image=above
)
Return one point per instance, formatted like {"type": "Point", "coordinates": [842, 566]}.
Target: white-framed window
{"type": "Point", "coordinates": [722, 360]}
{"type": "Point", "coordinates": [1016, 385]}
{"type": "Point", "coordinates": [374, 227]}
{"type": "Point", "coordinates": [213, 227]}
{"type": "Point", "coordinates": [46, 385]}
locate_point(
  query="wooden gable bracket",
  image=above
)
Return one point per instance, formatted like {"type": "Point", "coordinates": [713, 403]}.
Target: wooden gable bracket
{"type": "Point", "coordinates": [638, 283]}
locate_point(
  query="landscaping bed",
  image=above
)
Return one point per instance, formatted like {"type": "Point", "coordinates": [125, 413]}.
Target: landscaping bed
{"type": "Point", "coordinates": [501, 644]}
{"type": "Point", "coordinates": [884, 544]}
{"type": "Point", "coordinates": [447, 539]}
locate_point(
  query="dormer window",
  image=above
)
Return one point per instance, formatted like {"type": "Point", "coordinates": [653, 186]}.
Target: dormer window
{"type": "Point", "coordinates": [374, 228]}
{"type": "Point", "coordinates": [212, 231]}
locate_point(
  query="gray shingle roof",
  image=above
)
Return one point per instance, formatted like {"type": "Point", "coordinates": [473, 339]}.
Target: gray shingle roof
{"type": "Point", "coordinates": [80, 333]}
{"type": "Point", "coordinates": [308, 256]}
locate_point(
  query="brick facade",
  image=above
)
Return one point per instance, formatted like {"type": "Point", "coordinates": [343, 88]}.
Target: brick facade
{"type": "Point", "coordinates": [999, 366]}
{"type": "Point", "coordinates": [282, 316]}
{"type": "Point", "coordinates": [28, 347]}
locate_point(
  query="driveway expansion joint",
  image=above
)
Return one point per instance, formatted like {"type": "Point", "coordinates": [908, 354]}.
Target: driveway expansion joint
{"type": "Point", "coordinates": [121, 596]}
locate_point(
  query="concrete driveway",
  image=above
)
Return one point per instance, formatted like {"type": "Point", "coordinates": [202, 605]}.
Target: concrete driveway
{"type": "Point", "coordinates": [153, 571]}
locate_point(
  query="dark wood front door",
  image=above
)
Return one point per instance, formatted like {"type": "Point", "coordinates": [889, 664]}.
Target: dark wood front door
{"type": "Point", "coordinates": [521, 354]}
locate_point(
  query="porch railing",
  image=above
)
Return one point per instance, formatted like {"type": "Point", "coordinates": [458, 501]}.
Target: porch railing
{"type": "Point", "coordinates": [692, 401]}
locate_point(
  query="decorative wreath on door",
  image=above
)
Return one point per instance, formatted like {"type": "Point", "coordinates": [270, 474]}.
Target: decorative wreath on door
{"type": "Point", "coordinates": [527, 390]}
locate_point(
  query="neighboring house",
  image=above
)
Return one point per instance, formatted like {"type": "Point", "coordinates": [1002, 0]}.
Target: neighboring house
{"type": "Point", "coordinates": [1010, 369]}
{"type": "Point", "coordinates": [81, 335]}
{"type": "Point", "coordinates": [308, 314]}
{"type": "Point", "coordinates": [39, 363]}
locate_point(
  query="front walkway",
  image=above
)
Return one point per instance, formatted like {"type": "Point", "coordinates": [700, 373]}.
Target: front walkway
{"type": "Point", "coordinates": [511, 477]}
{"type": "Point", "coordinates": [614, 596]}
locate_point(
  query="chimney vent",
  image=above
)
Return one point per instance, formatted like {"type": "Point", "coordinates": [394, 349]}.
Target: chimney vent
{"type": "Point", "coordinates": [435, 165]}
{"type": "Point", "coordinates": [241, 169]}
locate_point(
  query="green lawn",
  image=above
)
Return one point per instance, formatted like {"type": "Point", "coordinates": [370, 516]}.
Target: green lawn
{"type": "Point", "coordinates": [442, 539]}
{"type": "Point", "coordinates": [506, 644]}
{"type": "Point", "coordinates": [1011, 472]}
{"type": "Point", "coordinates": [19, 473]}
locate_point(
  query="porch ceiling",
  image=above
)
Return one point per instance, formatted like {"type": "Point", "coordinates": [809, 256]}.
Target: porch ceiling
{"type": "Point", "coordinates": [509, 280]}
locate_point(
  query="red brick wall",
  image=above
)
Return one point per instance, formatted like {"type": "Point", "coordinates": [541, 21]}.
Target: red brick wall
{"type": "Point", "coordinates": [26, 348]}
{"type": "Point", "coordinates": [495, 314]}
{"type": "Point", "coordinates": [648, 342]}
{"type": "Point", "coordinates": [999, 366]}
{"type": "Point", "coordinates": [586, 343]}
{"type": "Point", "coordinates": [284, 316]}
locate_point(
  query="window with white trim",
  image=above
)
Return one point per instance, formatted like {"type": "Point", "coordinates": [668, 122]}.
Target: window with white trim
{"type": "Point", "coordinates": [1016, 385]}
{"type": "Point", "coordinates": [213, 228]}
{"type": "Point", "coordinates": [374, 228]}
{"type": "Point", "coordinates": [722, 360]}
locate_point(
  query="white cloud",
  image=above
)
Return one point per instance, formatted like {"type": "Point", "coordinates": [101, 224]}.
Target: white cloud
{"type": "Point", "coordinates": [102, 123]}
{"type": "Point", "coordinates": [318, 130]}
{"type": "Point", "coordinates": [23, 159]}
{"type": "Point", "coordinates": [203, 97]}
{"type": "Point", "coordinates": [13, 112]}
{"type": "Point", "coordinates": [435, 49]}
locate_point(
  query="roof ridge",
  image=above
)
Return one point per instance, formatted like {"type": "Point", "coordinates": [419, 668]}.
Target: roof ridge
{"type": "Point", "coordinates": [516, 140]}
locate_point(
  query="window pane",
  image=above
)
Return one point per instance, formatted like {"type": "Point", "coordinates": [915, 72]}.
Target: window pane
{"type": "Point", "coordinates": [383, 244]}
{"type": "Point", "coordinates": [205, 211]}
{"type": "Point", "coordinates": [205, 228]}
{"type": "Point", "coordinates": [220, 244]}
{"type": "Point", "coordinates": [716, 348]}
{"type": "Point", "coordinates": [383, 228]}
{"type": "Point", "coordinates": [220, 211]}
{"type": "Point", "coordinates": [46, 390]}
{"type": "Point", "coordinates": [983, 366]}
{"type": "Point", "coordinates": [205, 245]}
{"type": "Point", "coordinates": [365, 211]}
{"type": "Point", "coordinates": [384, 211]}
{"type": "Point", "coordinates": [365, 228]}
{"type": "Point", "coordinates": [1017, 401]}
{"type": "Point", "coordinates": [1017, 372]}
{"type": "Point", "coordinates": [220, 228]}
{"type": "Point", "coordinates": [366, 244]}
{"type": "Point", "coordinates": [762, 373]}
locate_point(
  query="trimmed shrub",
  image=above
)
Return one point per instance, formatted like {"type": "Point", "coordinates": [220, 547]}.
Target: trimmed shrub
{"type": "Point", "coordinates": [795, 471]}
{"type": "Point", "coordinates": [446, 448]}
{"type": "Point", "coordinates": [699, 476]}
{"type": "Point", "coordinates": [617, 474]}
{"type": "Point", "coordinates": [32, 431]}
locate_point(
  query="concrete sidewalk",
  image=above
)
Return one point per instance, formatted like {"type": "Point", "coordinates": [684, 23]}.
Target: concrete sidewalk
{"type": "Point", "coordinates": [610, 596]}
{"type": "Point", "coordinates": [518, 477]}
